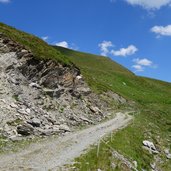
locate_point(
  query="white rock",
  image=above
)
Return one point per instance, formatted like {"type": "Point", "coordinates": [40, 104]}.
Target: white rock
{"type": "Point", "coordinates": [28, 110]}
{"type": "Point", "coordinates": [13, 105]}
{"type": "Point", "coordinates": [34, 85]}
{"type": "Point", "coordinates": [64, 128]}
{"type": "Point", "coordinates": [135, 164]}
{"type": "Point", "coordinates": [149, 144]}
{"type": "Point", "coordinates": [167, 151]}
{"type": "Point", "coordinates": [168, 156]}
{"type": "Point", "coordinates": [79, 77]}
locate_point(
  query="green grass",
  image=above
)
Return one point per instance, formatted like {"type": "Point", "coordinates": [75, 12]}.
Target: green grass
{"type": "Point", "coordinates": [39, 48]}
{"type": "Point", "coordinates": [152, 120]}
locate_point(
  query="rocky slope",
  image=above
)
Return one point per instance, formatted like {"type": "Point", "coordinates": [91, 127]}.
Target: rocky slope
{"type": "Point", "coordinates": [43, 97]}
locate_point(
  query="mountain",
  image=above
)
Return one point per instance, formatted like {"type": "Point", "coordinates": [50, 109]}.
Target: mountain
{"type": "Point", "coordinates": [48, 90]}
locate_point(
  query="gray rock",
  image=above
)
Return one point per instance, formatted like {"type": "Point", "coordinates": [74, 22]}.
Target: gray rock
{"type": "Point", "coordinates": [22, 111]}
{"type": "Point", "coordinates": [64, 127]}
{"type": "Point", "coordinates": [84, 90]}
{"type": "Point", "coordinates": [13, 105]}
{"type": "Point", "coordinates": [49, 92]}
{"type": "Point", "coordinates": [35, 122]}
{"type": "Point", "coordinates": [15, 138]}
{"type": "Point", "coordinates": [47, 132]}
{"type": "Point", "coordinates": [85, 119]}
{"type": "Point", "coordinates": [28, 110]}
{"type": "Point", "coordinates": [25, 129]}
{"type": "Point", "coordinates": [95, 109]}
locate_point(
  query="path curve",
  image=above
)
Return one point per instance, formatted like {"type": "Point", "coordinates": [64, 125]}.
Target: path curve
{"type": "Point", "coordinates": [50, 155]}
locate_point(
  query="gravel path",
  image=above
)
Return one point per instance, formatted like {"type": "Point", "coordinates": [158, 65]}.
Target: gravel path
{"type": "Point", "coordinates": [52, 154]}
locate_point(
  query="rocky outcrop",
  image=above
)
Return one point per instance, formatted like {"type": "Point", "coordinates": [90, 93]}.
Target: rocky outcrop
{"type": "Point", "coordinates": [43, 97]}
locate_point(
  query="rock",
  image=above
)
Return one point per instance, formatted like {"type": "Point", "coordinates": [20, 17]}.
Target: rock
{"type": "Point", "coordinates": [113, 166]}
{"type": "Point", "coordinates": [56, 128]}
{"type": "Point", "coordinates": [84, 90]}
{"type": "Point", "coordinates": [28, 110]}
{"type": "Point", "coordinates": [99, 170]}
{"type": "Point", "coordinates": [168, 156]}
{"type": "Point", "coordinates": [35, 122]}
{"type": "Point", "coordinates": [22, 111]}
{"type": "Point", "coordinates": [166, 151]}
{"type": "Point", "coordinates": [153, 165]}
{"type": "Point", "coordinates": [15, 138]}
{"type": "Point", "coordinates": [85, 119]}
{"type": "Point", "coordinates": [24, 51]}
{"type": "Point", "coordinates": [35, 85]}
{"type": "Point", "coordinates": [135, 164]}
{"type": "Point", "coordinates": [79, 77]}
{"type": "Point", "coordinates": [58, 92]}
{"type": "Point", "coordinates": [95, 109]}
{"type": "Point", "coordinates": [47, 132]}
{"type": "Point", "coordinates": [64, 127]}
{"type": "Point", "coordinates": [25, 129]}
{"type": "Point", "coordinates": [13, 105]}
{"type": "Point", "coordinates": [49, 92]}
{"type": "Point", "coordinates": [150, 146]}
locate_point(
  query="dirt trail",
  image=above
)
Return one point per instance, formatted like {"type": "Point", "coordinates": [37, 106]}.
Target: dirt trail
{"type": "Point", "coordinates": [52, 154]}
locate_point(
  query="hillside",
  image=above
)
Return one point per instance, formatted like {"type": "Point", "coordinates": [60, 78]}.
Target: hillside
{"type": "Point", "coordinates": [103, 74]}
{"type": "Point", "coordinates": [47, 90]}
{"type": "Point", "coordinates": [39, 48]}
{"type": "Point", "coordinates": [42, 93]}
{"type": "Point", "coordinates": [152, 120]}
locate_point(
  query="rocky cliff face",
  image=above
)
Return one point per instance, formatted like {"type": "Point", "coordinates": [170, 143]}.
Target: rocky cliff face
{"type": "Point", "coordinates": [43, 97]}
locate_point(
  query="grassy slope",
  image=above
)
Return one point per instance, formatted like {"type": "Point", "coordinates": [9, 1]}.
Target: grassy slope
{"type": "Point", "coordinates": [39, 48]}
{"type": "Point", "coordinates": [153, 122]}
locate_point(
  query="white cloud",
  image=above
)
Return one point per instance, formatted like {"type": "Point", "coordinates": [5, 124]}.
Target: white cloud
{"type": "Point", "coordinates": [138, 68]}
{"type": "Point", "coordinates": [45, 38]}
{"type": "Point", "coordinates": [161, 30]}
{"type": "Point", "coordinates": [104, 47]}
{"type": "Point", "coordinates": [150, 4]}
{"type": "Point", "coordinates": [143, 62]}
{"type": "Point", "coordinates": [130, 50]}
{"type": "Point", "coordinates": [4, 1]}
{"type": "Point", "coordinates": [62, 44]}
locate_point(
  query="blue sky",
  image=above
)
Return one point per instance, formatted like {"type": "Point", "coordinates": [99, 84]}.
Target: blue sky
{"type": "Point", "coordinates": [134, 33]}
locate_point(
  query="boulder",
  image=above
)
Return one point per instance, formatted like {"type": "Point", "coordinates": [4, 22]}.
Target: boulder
{"type": "Point", "coordinates": [35, 122]}
{"type": "Point", "coordinates": [25, 129]}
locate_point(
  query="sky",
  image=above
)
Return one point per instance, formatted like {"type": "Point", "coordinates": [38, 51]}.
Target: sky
{"type": "Point", "coordinates": [134, 33]}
